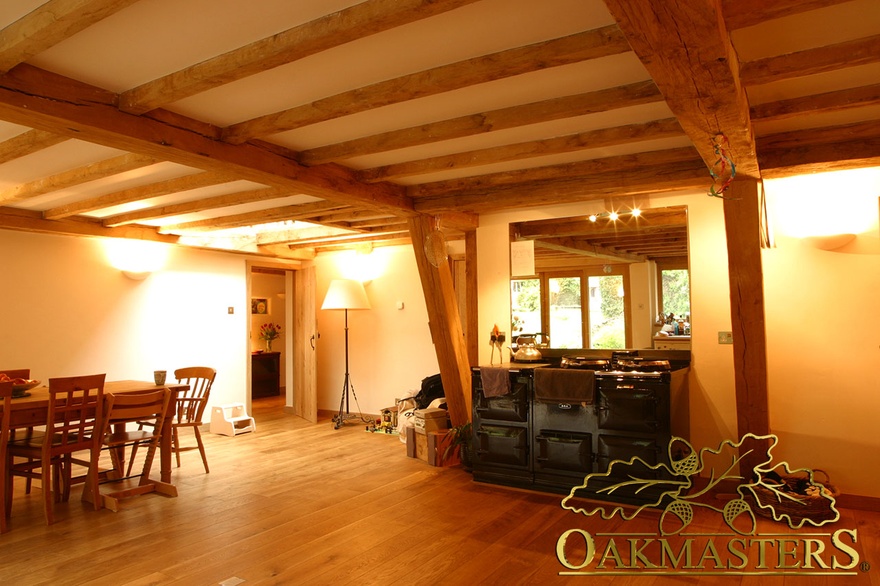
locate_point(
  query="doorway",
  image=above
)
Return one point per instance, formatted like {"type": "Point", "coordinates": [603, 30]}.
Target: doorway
{"type": "Point", "coordinates": [284, 297]}
{"type": "Point", "coordinates": [268, 307]}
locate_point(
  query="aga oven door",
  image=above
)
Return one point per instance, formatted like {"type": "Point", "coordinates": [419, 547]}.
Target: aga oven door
{"type": "Point", "coordinates": [630, 406]}
{"type": "Point", "coordinates": [563, 452]}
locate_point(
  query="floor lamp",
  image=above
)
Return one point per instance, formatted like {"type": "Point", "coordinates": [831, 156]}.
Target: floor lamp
{"type": "Point", "coordinates": [346, 294]}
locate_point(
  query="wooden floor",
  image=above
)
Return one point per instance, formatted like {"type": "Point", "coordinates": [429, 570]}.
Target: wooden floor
{"type": "Point", "coordinates": [296, 503]}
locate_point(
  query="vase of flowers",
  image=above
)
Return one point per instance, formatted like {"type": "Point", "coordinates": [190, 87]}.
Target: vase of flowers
{"type": "Point", "coordinates": [269, 332]}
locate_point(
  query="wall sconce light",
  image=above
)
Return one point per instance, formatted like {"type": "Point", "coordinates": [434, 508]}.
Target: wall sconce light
{"type": "Point", "coordinates": [137, 275]}
{"type": "Point", "coordinates": [829, 242]}
{"type": "Point", "coordinates": [136, 259]}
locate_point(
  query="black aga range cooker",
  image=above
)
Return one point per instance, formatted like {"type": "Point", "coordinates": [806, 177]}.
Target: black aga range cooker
{"type": "Point", "coordinates": [559, 424]}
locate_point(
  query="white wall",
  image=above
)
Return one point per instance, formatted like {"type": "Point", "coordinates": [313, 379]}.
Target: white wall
{"type": "Point", "coordinates": [390, 349]}
{"type": "Point", "coordinates": [65, 311]}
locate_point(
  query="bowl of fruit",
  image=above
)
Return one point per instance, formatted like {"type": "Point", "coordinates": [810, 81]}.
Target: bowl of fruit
{"type": "Point", "coordinates": [20, 386]}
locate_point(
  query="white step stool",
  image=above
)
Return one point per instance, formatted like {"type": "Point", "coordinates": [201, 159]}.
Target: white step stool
{"type": "Point", "coordinates": [231, 419]}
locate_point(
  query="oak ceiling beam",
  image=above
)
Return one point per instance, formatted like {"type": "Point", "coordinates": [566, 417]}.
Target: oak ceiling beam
{"type": "Point", "coordinates": [294, 212]}
{"type": "Point", "coordinates": [27, 143]}
{"type": "Point", "coordinates": [49, 24]}
{"type": "Point", "coordinates": [575, 48]}
{"type": "Point", "coordinates": [605, 100]}
{"type": "Point", "coordinates": [742, 13]}
{"type": "Point", "coordinates": [332, 30]}
{"type": "Point", "coordinates": [601, 138]}
{"type": "Point", "coordinates": [811, 61]}
{"type": "Point", "coordinates": [572, 246]}
{"type": "Point", "coordinates": [346, 239]}
{"type": "Point", "coordinates": [696, 71]}
{"type": "Point", "coordinates": [39, 99]}
{"type": "Point", "coordinates": [622, 165]}
{"type": "Point", "coordinates": [78, 176]}
{"type": "Point", "coordinates": [32, 221]}
{"type": "Point", "coordinates": [826, 103]}
{"type": "Point", "coordinates": [689, 175]}
{"type": "Point", "coordinates": [371, 242]}
{"type": "Point", "coordinates": [817, 150]}
{"type": "Point", "coordinates": [199, 205]}
{"type": "Point", "coordinates": [650, 219]}
{"type": "Point", "coordinates": [176, 185]}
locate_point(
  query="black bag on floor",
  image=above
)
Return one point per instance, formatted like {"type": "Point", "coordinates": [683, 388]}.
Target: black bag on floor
{"type": "Point", "coordinates": [432, 388]}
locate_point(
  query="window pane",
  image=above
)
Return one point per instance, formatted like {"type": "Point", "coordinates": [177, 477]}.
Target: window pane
{"type": "Point", "coordinates": [566, 321]}
{"type": "Point", "coordinates": [525, 307]}
{"type": "Point", "coordinates": [676, 292]}
{"type": "Point", "coordinates": [607, 321]}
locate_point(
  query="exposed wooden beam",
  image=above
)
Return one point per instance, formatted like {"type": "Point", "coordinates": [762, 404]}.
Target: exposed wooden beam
{"type": "Point", "coordinates": [572, 49]}
{"type": "Point", "coordinates": [603, 137]}
{"type": "Point", "coordinates": [635, 94]}
{"type": "Point", "coordinates": [32, 221]}
{"type": "Point", "coordinates": [199, 205]}
{"type": "Point", "coordinates": [817, 150]}
{"type": "Point", "coordinates": [639, 174]}
{"type": "Point", "coordinates": [444, 323]}
{"type": "Point", "coordinates": [696, 71]}
{"type": "Point", "coordinates": [817, 104]}
{"type": "Point", "coordinates": [746, 276]}
{"type": "Point", "coordinates": [46, 101]}
{"type": "Point", "coordinates": [650, 219]}
{"type": "Point", "coordinates": [346, 239]}
{"type": "Point", "coordinates": [78, 176]}
{"type": "Point", "coordinates": [572, 246]}
{"type": "Point", "coordinates": [621, 165]}
{"type": "Point", "coordinates": [28, 143]}
{"type": "Point", "coordinates": [178, 184]}
{"type": "Point", "coordinates": [811, 61]}
{"type": "Point", "coordinates": [50, 23]}
{"type": "Point", "coordinates": [294, 212]}
{"type": "Point", "coordinates": [742, 13]}
{"type": "Point", "coordinates": [332, 30]}
{"type": "Point", "coordinates": [373, 241]}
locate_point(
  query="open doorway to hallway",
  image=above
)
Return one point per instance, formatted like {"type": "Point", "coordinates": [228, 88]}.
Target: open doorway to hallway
{"type": "Point", "coordinates": [269, 358]}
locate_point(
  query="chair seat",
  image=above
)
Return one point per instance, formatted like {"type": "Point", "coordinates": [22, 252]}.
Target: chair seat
{"type": "Point", "coordinates": [124, 437]}
{"type": "Point", "coordinates": [35, 442]}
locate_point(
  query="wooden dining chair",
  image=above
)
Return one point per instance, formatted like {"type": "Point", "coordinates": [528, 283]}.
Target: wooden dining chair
{"type": "Point", "coordinates": [149, 409]}
{"type": "Point", "coordinates": [6, 397]}
{"type": "Point", "coordinates": [73, 425]}
{"type": "Point", "coordinates": [189, 408]}
{"type": "Point", "coordinates": [14, 373]}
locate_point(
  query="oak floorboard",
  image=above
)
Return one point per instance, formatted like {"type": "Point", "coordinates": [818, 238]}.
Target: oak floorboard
{"type": "Point", "coordinates": [301, 503]}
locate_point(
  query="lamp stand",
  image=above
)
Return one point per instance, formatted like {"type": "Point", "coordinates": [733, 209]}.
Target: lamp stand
{"type": "Point", "coordinates": [344, 414]}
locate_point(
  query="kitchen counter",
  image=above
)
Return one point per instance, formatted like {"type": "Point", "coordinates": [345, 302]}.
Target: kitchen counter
{"type": "Point", "coordinates": [672, 342]}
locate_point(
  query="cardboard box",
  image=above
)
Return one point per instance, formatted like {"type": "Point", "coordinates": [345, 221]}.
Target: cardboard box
{"type": "Point", "coordinates": [426, 446]}
{"type": "Point", "coordinates": [428, 420]}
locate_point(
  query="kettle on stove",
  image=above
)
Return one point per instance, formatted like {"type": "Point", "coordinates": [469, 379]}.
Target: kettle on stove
{"type": "Point", "coordinates": [527, 348]}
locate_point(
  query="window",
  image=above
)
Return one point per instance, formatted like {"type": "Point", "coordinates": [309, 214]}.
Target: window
{"type": "Point", "coordinates": [675, 292]}
{"type": "Point", "coordinates": [607, 318]}
{"type": "Point", "coordinates": [525, 307]}
{"type": "Point", "coordinates": [575, 309]}
{"type": "Point", "coordinates": [566, 312]}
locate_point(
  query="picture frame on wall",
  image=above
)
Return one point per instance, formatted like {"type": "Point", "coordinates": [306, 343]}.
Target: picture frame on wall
{"type": "Point", "coordinates": [259, 305]}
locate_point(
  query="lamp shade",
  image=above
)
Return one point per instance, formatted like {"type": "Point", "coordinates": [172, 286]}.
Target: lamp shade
{"type": "Point", "coordinates": [346, 294]}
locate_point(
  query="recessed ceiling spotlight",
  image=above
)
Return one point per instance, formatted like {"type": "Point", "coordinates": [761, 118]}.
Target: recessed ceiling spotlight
{"type": "Point", "coordinates": [636, 212]}
{"type": "Point", "coordinates": [593, 217]}
{"type": "Point", "coordinates": [613, 216]}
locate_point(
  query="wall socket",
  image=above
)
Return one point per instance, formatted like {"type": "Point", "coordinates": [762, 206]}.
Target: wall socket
{"type": "Point", "coordinates": [725, 337]}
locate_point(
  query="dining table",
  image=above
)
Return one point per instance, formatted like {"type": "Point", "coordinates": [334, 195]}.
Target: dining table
{"type": "Point", "coordinates": [31, 410]}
